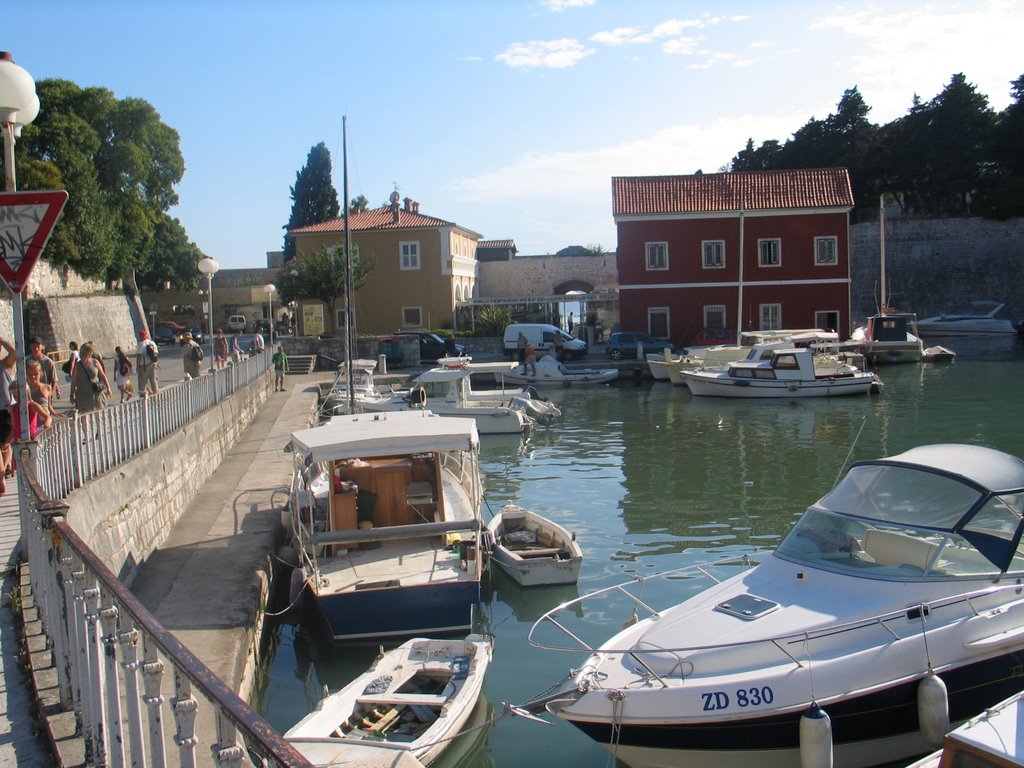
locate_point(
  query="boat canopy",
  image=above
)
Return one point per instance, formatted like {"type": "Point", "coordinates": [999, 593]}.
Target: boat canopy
{"type": "Point", "coordinates": [967, 490]}
{"type": "Point", "coordinates": [441, 374]}
{"type": "Point", "coordinates": [385, 434]}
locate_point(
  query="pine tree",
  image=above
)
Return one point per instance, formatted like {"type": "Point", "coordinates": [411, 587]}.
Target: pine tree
{"type": "Point", "coordinates": [314, 198]}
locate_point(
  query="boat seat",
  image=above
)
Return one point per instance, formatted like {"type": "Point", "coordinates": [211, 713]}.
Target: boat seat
{"type": "Point", "coordinates": [893, 548]}
{"type": "Point", "coordinates": [397, 699]}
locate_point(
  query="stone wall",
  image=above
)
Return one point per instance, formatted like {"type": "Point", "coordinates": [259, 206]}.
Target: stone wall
{"type": "Point", "coordinates": [542, 275]}
{"type": "Point", "coordinates": [154, 489]}
{"type": "Point", "coordinates": [936, 265]}
{"type": "Point", "coordinates": [108, 321]}
{"type": "Point", "coordinates": [49, 281]}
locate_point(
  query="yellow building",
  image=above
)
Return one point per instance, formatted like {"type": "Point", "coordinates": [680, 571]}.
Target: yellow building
{"type": "Point", "coordinates": [423, 266]}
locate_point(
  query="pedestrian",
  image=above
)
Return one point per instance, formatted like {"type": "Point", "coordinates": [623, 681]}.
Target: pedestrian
{"type": "Point", "coordinates": [191, 356]}
{"type": "Point", "coordinates": [38, 417]}
{"type": "Point", "coordinates": [37, 352]}
{"type": "Point", "coordinates": [147, 363]}
{"type": "Point", "coordinates": [258, 347]}
{"type": "Point", "coordinates": [571, 323]}
{"type": "Point", "coordinates": [220, 349]}
{"type": "Point", "coordinates": [40, 392]}
{"type": "Point", "coordinates": [559, 345]}
{"type": "Point", "coordinates": [280, 360]}
{"type": "Point", "coordinates": [90, 385]}
{"type": "Point", "coordinates": [7, 435]}
{"type": "Point", "coordinates": [236, 350]}
{"type": "Point", "coordinates": [69, 364]}
{"type": "Point", "coordinates": [123, 374]}
{"type": "Point", "coordinates": [530, 360]}
{"type": "Point", "coordinates": [449, 346]}
{"type": "Point", "coordinates": [521, 343]}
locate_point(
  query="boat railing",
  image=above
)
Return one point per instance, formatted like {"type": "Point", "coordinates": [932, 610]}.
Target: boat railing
{"type": "Point", "coordinates": [394, 532]}
{"type": "Point", "coordinates": [781, 642]}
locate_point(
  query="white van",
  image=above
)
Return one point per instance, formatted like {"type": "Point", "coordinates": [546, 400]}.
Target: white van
{"type": "Point", "coordinates": [236, 323]}
{"type": "Point", "coordinates": [542, 337]}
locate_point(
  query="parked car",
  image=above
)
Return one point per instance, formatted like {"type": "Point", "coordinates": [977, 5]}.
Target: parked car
{"type": "Point", "coordinates": [432, 346]}
{"type": "Point", "coordinates": [542, 337]}
{"type": "Point", "coordinates": [163, 334]}
{"type": "Point", "coordinates": [623, 344]}
{"type": "Point", "coordinates": [176, 328]}
{"type": "Point", "coordinates": [713, 337]}
{"type": "Point", "coordinates": [236, 323]}
{"type": "Point", "coordinates": [198, 334]}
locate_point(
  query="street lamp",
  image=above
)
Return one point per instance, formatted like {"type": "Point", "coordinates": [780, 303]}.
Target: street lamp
{"type": "Point", "coordinates": [209, 268]}
{"type": "Point", "coordinates": [270, 288]}
{"type": "Point", "coordinates": [19, 106]}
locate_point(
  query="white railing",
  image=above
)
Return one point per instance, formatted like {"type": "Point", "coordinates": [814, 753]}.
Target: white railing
{"type": "Point", "coordinates": [82, 446]}
{"type": "Point", "coordinates": [125, 676]}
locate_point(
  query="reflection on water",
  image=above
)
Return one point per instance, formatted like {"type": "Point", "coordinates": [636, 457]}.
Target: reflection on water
{"type": "Point", "coordinates": [652, 479]}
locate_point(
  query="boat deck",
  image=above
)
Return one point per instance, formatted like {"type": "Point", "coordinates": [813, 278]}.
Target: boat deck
{"type": "Point", "coordinates": [409, 562]}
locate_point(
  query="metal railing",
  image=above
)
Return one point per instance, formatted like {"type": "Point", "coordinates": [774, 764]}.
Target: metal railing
{"type": "Point", "coordinates": [120, 671]}
{"type": "Point", "coordinates": [82, 446]}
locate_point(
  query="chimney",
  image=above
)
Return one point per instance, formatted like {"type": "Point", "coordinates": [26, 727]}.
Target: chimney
{"type": "Point", "coordinates": [406, 202]}
{"type": "Point", "coordinates": [415, 207]}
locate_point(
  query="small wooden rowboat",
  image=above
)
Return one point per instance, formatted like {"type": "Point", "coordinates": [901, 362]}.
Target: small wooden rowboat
{"type": "Point", "coordinates": [532, 549]}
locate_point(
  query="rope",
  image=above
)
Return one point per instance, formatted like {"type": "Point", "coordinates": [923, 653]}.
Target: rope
{"type": "Point", "coordinates": [924, 636]}
{"type": "Point", "coordinates": [618, 704]}
{"type": "Point", "coordinates": [275, 614]}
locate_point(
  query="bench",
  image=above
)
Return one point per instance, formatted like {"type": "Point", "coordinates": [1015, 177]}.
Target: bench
{"type": "Point", "coordinates": [403, 699]}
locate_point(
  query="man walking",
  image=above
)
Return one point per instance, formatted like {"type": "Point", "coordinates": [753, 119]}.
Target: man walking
{"type": "Point", "coordinates": [147, 361]}
{"type": "Point", "coordinates": [191, 356]}
{"type": "Point", "coordinates": [280, 360]}
{"type": "Point", "coordinates": [35, 349]}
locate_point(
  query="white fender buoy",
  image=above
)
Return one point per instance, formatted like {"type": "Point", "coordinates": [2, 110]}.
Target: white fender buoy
{"type": "Point", "coordinates": [815, 738]}
{"type": "Point", "coordinates": [932, 709]}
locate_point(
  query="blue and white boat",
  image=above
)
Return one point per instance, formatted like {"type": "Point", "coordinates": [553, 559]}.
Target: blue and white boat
{"type": "Point", "coordinates": [386, 522]}
{"type": "Point", "coordinates": [892, 609]}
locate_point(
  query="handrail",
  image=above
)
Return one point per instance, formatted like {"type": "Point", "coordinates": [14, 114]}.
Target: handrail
{"type": "Point", "coordinates": [113, 658]}
{"type": "Point", "coordinates": [779, 641]}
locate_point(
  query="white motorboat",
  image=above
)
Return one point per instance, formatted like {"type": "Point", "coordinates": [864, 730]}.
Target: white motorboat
{"type": "Point", "coordinates": [992, 739]}
{"type": "Point", "coordinates": [533, 550]}
{"type": "Point", "coordinates": [548, 371]}
{"type": "Point", "coordinates": [386, 522]}
{"type": "Point", "coordinates": [893, 606]}
{"type": "Point", "coordinates": [789, 373]}
{"type": "Point", "coordinates": [938, 354]}
{"type": "Point", "coordinates": [890, 337]}
{"type": "Point", "coordinates": [414, 699]}
{"type": "Point", "coordinates": [527, 399]}
{"type": "Point", "coordinates": [979, 320]}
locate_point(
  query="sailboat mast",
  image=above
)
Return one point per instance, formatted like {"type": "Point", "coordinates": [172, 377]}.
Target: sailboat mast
{"type": "Point", "coordinates": [349, 313]}
{"type": "Point", "coordinates": [881, 245]}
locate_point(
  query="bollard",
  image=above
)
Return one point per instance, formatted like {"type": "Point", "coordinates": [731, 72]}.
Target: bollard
{"type": "Point", "coordinates": [382, 364]}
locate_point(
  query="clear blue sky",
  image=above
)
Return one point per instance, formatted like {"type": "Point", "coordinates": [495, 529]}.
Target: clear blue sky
{"type": "Point", "coordinates": [506, 117]}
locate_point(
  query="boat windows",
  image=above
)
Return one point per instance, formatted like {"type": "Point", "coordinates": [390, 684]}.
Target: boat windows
{"type": "Point", "coordinates": [785, 361]}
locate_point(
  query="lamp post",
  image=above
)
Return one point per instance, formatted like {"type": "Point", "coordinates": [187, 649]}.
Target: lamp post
{"type": "Point", "coordinates": [270, 288]}
{"type": "Point", "coordinates": [19, 106]}
{"type": "Point", "coordinates": [209, 268]}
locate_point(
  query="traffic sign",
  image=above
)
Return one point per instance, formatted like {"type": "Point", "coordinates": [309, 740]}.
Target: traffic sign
{"type": "Point", "coordinates": [26, 221]}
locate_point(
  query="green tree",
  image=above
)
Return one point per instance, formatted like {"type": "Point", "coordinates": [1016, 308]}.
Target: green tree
{"type": "Point", "coordinates": [359, 204]}
{"type": "Point", "coordinates": [1001, 192]}
{"type": "Point", "coordinates": [314, 198]}
{"type": "Point", "coordinates": [119, 164]}
{"type": "Point", "coordinates": [172, 258]}
{"type": "Point", "coordinates": [320, 275]}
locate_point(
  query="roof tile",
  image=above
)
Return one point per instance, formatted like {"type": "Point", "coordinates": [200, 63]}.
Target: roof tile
{"type": "Point", "coordinates": [376, 219]}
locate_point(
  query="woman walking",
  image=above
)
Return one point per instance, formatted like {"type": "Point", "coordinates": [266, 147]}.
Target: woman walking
{"type": "Point", "coordinates": [123, 374]}
{"type": "Point", "coordinates": [220, 349]}
{"type": "Point", "coordinates": [90, 382]}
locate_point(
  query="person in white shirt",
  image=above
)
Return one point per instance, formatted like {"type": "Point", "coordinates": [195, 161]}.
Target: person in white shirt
{"type": "Point", "coordinates": [146, 364]}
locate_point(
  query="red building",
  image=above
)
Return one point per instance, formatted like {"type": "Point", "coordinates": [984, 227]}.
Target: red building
{"type": "Point", "coordinates": [754, 251]}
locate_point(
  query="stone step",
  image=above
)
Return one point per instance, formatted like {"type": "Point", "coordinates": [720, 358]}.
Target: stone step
{"type": "Point", "coordinates": [301, 364]}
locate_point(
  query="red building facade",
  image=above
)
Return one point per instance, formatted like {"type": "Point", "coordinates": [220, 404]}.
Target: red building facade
{"type": "Point", "coordinates": [754, 251]}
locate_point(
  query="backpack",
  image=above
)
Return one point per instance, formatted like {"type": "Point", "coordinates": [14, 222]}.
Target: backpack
{"type": "Point", "coordinates": [196, 353]}
{"type": "Point", "coordinates": [152, 352]}
{"type": "Point", "coordinates": [67, 366]}
{"type": "Point", "coordinates": [125, 366]}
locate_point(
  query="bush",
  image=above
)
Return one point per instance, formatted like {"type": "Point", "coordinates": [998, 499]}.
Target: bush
{"type": "Point", "coordinates": [491, 321]}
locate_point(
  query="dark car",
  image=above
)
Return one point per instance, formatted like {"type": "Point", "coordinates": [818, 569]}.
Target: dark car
{"type": "Point", "coordinates": [198, 334]}
{"type": "Point", "coordinates": [432, 346]}
{"type": "Point", "coordinates": [163, 334]}
{"type": "Point", "coordinates": [623, 344]}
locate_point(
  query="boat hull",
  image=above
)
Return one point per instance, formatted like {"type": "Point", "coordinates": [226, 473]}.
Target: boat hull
{"type": "Point", "coordinates": [400, 612]}
{"type": "Point", "coordinates": [555, 559]}
{"type": "Point", "coordinates": [889, 716]}
{"type": "Point", "coordinates": [720, 385]}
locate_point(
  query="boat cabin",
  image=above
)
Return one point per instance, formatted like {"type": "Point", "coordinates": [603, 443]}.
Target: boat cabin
{"type": "Point", "coordinates": [788, 364]}
{"type": "Point", "coordinates": [889, 327]}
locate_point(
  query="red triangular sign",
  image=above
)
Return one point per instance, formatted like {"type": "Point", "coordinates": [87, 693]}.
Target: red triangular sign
{"type": "Point", "coordinates": [26, 221]}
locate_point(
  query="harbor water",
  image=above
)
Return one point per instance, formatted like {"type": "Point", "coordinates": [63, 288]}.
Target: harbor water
{"type": "Point", "coordinates": [652, 479]}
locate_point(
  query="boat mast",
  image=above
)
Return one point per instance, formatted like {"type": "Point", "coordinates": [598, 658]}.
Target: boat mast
{"type": "Point", "coordinates": [881, 246]}
{"type": "Point", "coordinates": [350, 315]}
{"type": "Point", "coordinates": [739, 305]}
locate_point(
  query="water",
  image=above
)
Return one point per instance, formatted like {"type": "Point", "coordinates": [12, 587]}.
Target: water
{"type": "Point", "coordinates": [652, 479]}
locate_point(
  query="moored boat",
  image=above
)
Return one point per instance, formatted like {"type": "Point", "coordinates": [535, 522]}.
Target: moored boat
{"type": "Point", "coordinates": [979, 320]}
{"type": "Point", "coordinates": [386, 522]}
{"type": "Point", "coordinates": [548, 371]}
{"type": "Point", "coordinates": [532, 549]}
{"type": "Point", "coordinates": [890, 337]}
{"type": "Point", "coordinates": [414, 699]}
{"type": "Point", "coordinates": [992, 739]}
{"type": "Point", "coordinates": [892, 606]}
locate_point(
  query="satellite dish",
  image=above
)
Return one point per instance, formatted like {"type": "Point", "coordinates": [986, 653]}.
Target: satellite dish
{"type": "Point", "coordinates": [394, 197]}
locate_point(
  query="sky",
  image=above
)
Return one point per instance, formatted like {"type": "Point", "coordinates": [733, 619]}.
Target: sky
{"type": "Point", "coordinates": [506, 117]}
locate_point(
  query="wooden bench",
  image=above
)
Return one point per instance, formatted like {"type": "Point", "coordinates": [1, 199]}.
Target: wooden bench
{"type": "Point", "coordinates": [403, 699]}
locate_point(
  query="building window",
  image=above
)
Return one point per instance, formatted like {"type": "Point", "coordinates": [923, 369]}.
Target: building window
{"type": "Point", "coordinates": [827, 319]}
{"type": "Point", "coordinates": [714, 254]}
{"type": "Point", "coordinates": [771, 317]}
{"type": "Point", "coordinates": [714, 316]}
{"type": "Point", "coordinates": [657, 255]}
{"type": "Point", "coordinates": [340, 318]}
{"type": "Point", "coordinates": [769, 252]}
{"type": "Point", "coordinates": [410, 252]}
{"type": "Point", "coordinates": [412, 317]}
{"type": "Point", "coordinates": [657, 322]}
{"type": "Point", "coordinates": [826, 251]}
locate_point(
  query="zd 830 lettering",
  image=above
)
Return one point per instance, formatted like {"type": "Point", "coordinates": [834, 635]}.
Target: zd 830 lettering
{"type": "Point", "coordinates": [741, 697]}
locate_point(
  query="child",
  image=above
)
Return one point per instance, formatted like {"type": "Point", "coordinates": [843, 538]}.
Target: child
{"type": "Point", "coordinates": [280, 361]}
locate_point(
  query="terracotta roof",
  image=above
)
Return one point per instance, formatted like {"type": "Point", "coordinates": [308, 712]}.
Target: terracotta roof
{"type": "Point", "coordinates": [496, 244]}
{"type": "Point", "coordinates": [719, 192]}
{"type": "Point", "coordinates": [378, 218]}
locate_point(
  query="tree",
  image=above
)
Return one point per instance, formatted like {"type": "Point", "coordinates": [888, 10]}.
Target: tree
{"type": "Point", "coordinates": [314, 198]}
{"type": "Point", "coordinates": [119, 164]}
{"type": "Point", "coordinates": [359, 204]}
{"type": "Point", "coordinates": [1001, 192]}
{"type": "Point", "coordinates": [172, 258]}
{"type": "Point", "coordinates": [320, 275]}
